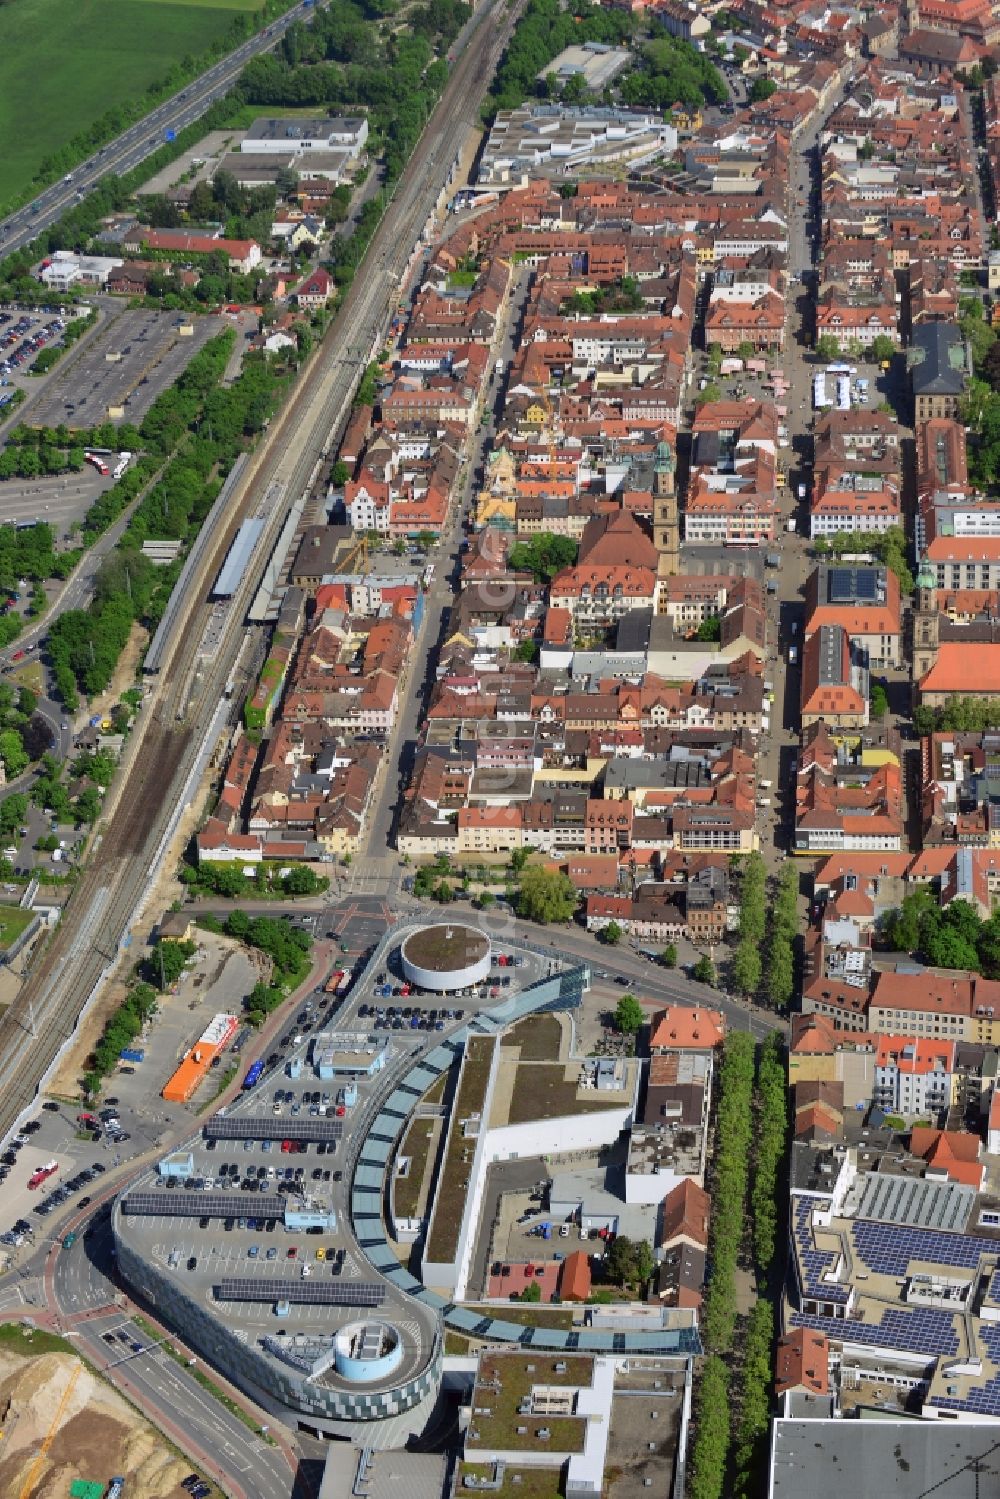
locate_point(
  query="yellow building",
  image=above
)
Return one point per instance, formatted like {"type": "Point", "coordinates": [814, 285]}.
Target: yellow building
{"type": "Point", "coordinates": [498, 510]}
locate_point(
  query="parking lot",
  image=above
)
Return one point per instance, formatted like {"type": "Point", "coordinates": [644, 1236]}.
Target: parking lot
{"type": "Point", "coordinates": [276, 1203]}
{"type": "Point", "coordinates": [23, 335]}
{"type": "Point", "coordinates": [21, 1203]}
{"type": "Point", "coordinates": [132, 1116]}
{"type": "Point", "coordinates": [60, 499]}
{"type": "Point", "coordinates": [120, 373]}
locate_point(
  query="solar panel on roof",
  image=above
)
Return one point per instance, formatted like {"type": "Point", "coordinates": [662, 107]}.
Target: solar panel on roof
{"type": "Point", "coordinates": [913, 1331]}
{"type": "Point", "coordinates": [242, 1127]}
{"type": "Point", "coordinates": [202, 1205]}
{"type": "Point", "coordinates": [313, 1292]}
{"type": "Point", "coordinates": [848, 585]}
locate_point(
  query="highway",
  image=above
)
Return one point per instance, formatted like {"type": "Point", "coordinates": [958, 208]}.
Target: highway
{"type": "Point", "coordinates": [141, 139]}
{"type": "Point", "coordinates": [183, 711]}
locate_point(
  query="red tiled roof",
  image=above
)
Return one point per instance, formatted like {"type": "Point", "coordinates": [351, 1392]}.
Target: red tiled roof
{"type": "Point", "coordinates": [685, 1028]}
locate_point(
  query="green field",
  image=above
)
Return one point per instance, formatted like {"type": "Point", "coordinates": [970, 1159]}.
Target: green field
{"type": "Point", "coordinates": [12, 923]}
{"type": "Point", "coordinates": [60, 70]}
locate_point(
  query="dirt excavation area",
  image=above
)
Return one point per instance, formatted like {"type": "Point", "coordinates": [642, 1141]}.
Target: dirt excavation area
{"type": "Point", "coordinates": [94, 1434]}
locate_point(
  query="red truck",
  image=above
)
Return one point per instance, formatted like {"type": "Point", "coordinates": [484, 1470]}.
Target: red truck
{"type": "Point", "coordinates": [42, 1175]}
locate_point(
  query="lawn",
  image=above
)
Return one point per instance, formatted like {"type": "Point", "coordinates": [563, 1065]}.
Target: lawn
{"type": "Point", "coordinates": [61, 70]}
{"type": "Point", "coordinates": [12, 923]}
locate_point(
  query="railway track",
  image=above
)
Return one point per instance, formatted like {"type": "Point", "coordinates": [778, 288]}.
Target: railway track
{"type": "Point", "coordinates": [170, 735]}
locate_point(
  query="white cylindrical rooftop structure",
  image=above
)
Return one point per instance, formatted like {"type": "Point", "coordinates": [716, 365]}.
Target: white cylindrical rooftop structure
{"type": "Point", "coordinates": [446, 957]}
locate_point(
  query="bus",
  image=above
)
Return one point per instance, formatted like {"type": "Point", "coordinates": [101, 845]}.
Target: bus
{"type": "Point", "coordinates": [253, 1074]}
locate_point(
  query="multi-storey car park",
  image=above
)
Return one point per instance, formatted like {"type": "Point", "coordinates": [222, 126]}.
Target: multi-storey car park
{"type": "Point", "coordinates": [263, 1240]}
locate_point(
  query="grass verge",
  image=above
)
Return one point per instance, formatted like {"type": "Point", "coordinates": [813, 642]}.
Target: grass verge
{"type": "Point", "coordinates": [223, 1084]}
{"type": "Point", "coordinates": [31, 1341]}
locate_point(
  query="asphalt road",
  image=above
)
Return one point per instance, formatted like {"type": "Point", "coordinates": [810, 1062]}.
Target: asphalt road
{"type": "Point", "coordinates": [367, 916]}
{"type": "Point", "coordinates": [142, 139]}
{"type": "Point", "coordinates": [83, 1293]}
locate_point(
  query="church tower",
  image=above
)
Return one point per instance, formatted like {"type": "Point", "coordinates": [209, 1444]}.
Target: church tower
{"type": "Point", "coordinates": [926, 622]}
{"type": "Point", "coordinates": [666, 523]}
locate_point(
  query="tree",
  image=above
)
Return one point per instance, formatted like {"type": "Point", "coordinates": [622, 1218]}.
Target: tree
{"type": "Point", "coordinates": [704, 971]}
{"type": "Point", "coordinates": [711, 393]}
{"type": "Point", "coordinates": [574, 89]}
{"type": "Point", "coordinates": [747, 967]}
{"type": "Point", "coordinates": [166, 965]}
{"type": "Point", "coordinates": [533, 1292]}
{"type": "Point", "coordinates": [545, 896]}
{"type": "Point", "coordinates": [628, 1262]}
{"type": "Point", "coordinates": [486, 900]}
{"type": "Point", "coordinates": [883, 348]}
{"type": "Point", "coordinates": [771, 1130]}
{"type": "Point", "coordinates": [301, 880]}
{"type": "Point", "coordinates": [527, 650]}
{"type": "Point", "coordinates": [13, 753]}
{"type": "Point", "coordinates": [13, 810]}
{"type": "Point", "coordinates": [903, 926]}
{"type": "Point", "coordinates": [879, 702]}
{"type": "Point", "coordinates": [710, 628]}
{"type": "Point", "coordinates": [88, 805]}
{"type": "Point", "coordinates": [629, 1015]}
{"type": "Point", "coordinates": [827, 346]}
{"type": "Point", "coordinates": [224, 879]}
{"type": "Point", "coordinates": [780, 974]}
{"type": "Point", "coordinates": [668, 957]}
{"type": "Point", "coordinates": [761, 89]}
{"type": "Point", "coordinates": [711, 1432]}
{"type": "Point", "coordinates": [612, 934]}
{"type": "Point", "coordinates": [752, 898]}
{"type": "Point", "coordinates": [734, 1131]}
{"type": "Point", "coordinates": [543, 556]}
{"type": "Point", "coordinates": [948, 948]}
{"type": "Point", "coordinates": [754, 1405]}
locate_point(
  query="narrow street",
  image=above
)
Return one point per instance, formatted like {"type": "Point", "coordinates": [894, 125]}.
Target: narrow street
{"type": "Point", "coordinates": [446, 557]}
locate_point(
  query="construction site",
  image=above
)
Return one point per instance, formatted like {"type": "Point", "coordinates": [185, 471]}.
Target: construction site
{"type": "Point", "coordinates": [65, 1434]}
